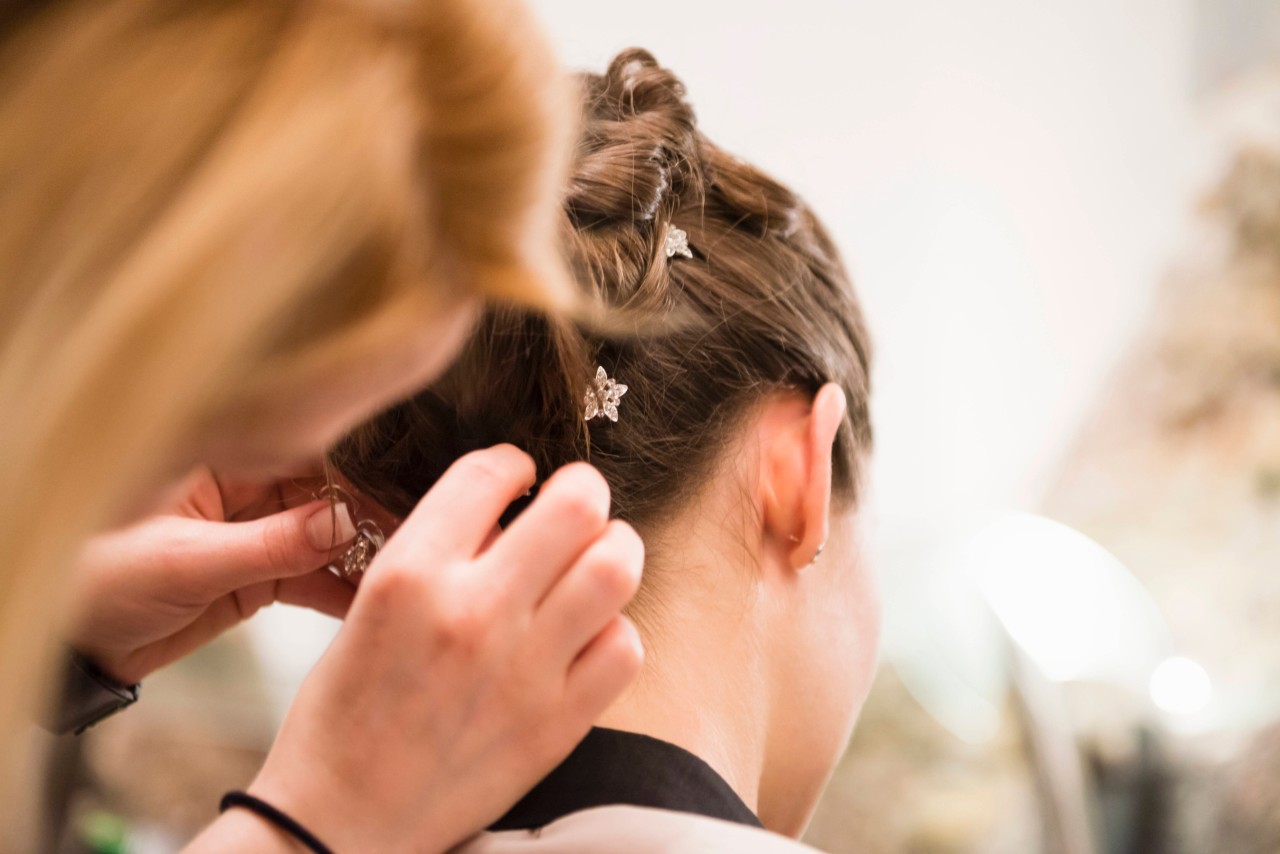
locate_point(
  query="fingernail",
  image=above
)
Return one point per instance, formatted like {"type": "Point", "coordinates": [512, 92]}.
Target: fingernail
{"type": "Point", "coordinates": [330, 526]}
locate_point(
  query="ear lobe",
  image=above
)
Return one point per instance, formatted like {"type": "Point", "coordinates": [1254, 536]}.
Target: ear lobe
{"type": "Point", "coordinates": [824, 423]}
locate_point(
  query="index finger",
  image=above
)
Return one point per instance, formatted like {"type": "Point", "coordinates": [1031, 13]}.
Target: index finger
{"type": "Point", "coordinates": [244, 499]}
{"type": "Point", "coordinates": [569, 514]}
{"type": "Point", "coordinates": [457, 516]}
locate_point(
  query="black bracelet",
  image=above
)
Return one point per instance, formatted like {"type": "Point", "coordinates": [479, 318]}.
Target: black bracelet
{"type": "Point", "coordinates": [273, 815]}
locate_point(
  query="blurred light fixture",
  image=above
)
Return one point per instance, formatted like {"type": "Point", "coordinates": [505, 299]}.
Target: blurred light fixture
{"type": "Point", "coordinates": [1069, 604]}
{"type": "Point", "coordinates": [1071, 609]}
{"type": "Point", "coordinates": [1180, 686]}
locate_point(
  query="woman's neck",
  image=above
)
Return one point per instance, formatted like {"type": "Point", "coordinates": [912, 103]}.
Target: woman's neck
{"type": "Point", "coordinates": [706, 682]}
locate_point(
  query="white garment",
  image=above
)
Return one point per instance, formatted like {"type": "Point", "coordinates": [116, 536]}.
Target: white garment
{"type": "Point", "coordinates": [634, 830]}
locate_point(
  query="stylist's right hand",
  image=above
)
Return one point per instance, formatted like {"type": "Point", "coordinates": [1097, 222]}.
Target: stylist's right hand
{"type": "Point", "coordinates": [471, 662]}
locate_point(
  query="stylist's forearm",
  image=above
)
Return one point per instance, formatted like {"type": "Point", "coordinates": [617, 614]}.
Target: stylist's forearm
{"type": "Point", "coordinates": [241, 830]}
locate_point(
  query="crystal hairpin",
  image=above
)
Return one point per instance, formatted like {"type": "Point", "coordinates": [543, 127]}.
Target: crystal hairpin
{"type": "Point", "coordinates": [676, 242]}
{"type": "Point", "coordinates": [367, 542]}
{"type": "Point", "coordinates": [602, 397]}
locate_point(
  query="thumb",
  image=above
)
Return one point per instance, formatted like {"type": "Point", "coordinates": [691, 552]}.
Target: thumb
{"type": "Point", "coordinates": [282, 545]}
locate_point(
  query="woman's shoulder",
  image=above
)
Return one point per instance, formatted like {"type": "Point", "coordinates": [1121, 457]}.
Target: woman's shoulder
{"type": "Point", "coordinates": [633, 830]}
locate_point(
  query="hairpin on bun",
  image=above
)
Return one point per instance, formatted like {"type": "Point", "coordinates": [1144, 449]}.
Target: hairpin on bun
{"type": "Point", "coordinates": [676, 242]}
{"type": "Point", "coordinates": [602, 397]}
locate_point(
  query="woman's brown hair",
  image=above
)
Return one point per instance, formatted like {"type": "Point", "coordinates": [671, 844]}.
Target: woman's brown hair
{"type": "Point", "coordinates": [764, 305]}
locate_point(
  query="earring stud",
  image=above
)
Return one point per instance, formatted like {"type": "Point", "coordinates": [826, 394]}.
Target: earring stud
{"type": "Point", "coordinates": [817, 554]}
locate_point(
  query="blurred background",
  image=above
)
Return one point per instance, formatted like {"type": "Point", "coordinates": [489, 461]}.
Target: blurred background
{"type": "Point", "coordinates": [1063, 218]}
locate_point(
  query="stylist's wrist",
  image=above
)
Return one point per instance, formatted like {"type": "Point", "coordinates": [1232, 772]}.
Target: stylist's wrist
{"type": "Point", "coordinates": [123, 667]}
{"type": "Point", "coordinates": [312, 798]}
{"type": "Point", "coordinates": [241, 830]}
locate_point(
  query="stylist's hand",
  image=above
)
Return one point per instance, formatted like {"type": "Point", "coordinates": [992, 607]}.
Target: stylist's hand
{"type": "Point", "coordinates": [217, 552]}
{"type": "Point", "coordinates": [470, 663]}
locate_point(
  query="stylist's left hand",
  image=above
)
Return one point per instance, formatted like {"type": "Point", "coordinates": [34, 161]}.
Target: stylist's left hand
{"type": "Point", "coordinates": [150, 593]}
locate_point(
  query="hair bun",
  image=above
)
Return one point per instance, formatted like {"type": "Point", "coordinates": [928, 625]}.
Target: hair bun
{"type": "Point", "coordinates": [639, 149]}
{"type": "Point", "coordinates": [764, 307]}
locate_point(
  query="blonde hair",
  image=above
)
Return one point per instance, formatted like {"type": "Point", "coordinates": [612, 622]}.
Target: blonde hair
{"type": "Point", "coordinates": [200, 194]}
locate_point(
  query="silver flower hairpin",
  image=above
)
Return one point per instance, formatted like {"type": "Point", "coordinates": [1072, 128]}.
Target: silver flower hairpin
{"type": "Point", "coordinates": [676, 242]}
{"type": "Point", "coordinates": [602, 397]}
{"type": "Point", "coordinates": [367, 542]}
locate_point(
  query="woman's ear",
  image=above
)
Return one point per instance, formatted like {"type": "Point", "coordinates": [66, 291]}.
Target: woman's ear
{"type": "Point", "coordinates": [797, 497]}
{"type": "Point", "coordinates": [824, 422]}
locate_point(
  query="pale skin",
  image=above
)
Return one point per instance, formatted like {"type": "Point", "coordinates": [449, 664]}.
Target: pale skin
{"type": "Point", "coordinates": [470, 661]}
{"type": "Point", "coordinates": [758, 660]}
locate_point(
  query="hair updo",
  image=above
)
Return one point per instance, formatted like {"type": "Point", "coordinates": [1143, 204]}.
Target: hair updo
{"type": "Point", "coordinates": [763, 305]}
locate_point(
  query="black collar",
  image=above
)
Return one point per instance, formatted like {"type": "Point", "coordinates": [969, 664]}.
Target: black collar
{"type": "Point", "coordinates": [614, 767]}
